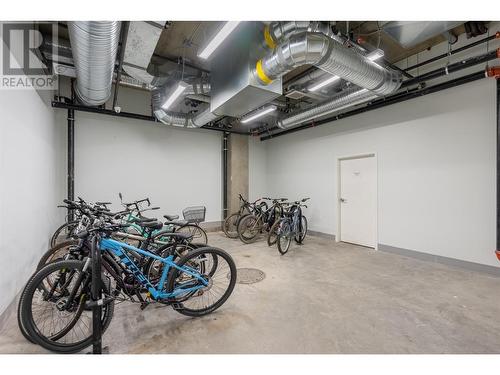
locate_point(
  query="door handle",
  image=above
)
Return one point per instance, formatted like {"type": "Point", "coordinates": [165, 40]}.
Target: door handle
{"type": "Point", "coordinates": [342, 200]}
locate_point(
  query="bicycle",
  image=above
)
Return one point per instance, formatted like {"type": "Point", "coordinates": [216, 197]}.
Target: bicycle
{"type": "Point", "coordinates": [261, 219]}
{"type": "Point", "coordinates": [230, 225]}
{"type": "Point", "coordinates": [292, 224]}
{"type": "Point", "coordinates": [187, 284]}
{"type": "Point", "coordinates": [193, 216]}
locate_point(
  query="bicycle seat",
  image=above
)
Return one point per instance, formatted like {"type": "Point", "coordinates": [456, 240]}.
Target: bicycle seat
{"type": "Point", "coordinates": [152, 225]}
{"type": "Point", "coordinates": [142, 220]}
{"type": "Point", "coordinates": [171, 217]}
{"type": "Point", "coordinates": [180, 223]}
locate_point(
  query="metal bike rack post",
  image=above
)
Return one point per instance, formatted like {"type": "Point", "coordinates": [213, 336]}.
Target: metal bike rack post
{"type": "Point", "coordinates": [96, 296]}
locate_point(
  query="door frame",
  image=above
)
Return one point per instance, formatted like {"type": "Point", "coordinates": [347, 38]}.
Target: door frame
{"type": "Point", "coordinates": [339, 159]}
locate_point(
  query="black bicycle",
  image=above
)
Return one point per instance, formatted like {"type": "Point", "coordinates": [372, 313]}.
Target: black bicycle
{"type": "Point", "coordinates": [293, 224]}
{"type": "Point", "coordinates": [261, 219]}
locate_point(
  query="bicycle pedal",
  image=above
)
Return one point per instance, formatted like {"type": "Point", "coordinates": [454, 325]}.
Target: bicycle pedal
{"type": "Point", "coordinates": [177, 306]}
{"type": "Point", "coordinates": [144, 305]}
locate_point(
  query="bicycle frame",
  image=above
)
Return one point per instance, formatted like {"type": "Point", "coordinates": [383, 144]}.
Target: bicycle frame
{"type": "Point", "coordinates": [119, 249]}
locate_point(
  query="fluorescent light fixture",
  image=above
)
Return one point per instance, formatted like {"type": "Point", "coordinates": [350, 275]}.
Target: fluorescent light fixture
{"type": "Point", "coordinates": [257, 114]}
{"type": "Point", "coordinates": [375, 55]}
{"type": "Point", "coordinates": [218, 39]}
{"type": "Point", "coordinates": [174, 95]}
{"type": "Point", "coordinates": [324, 83]}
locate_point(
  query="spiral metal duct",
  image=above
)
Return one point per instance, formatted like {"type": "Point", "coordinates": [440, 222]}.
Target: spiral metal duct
{"type": "Point", "coordinates": [344, 99]}
{"type": "Point", "coordinates": [179, 119]}
{"type": "Point", "coordinates": [94, 45]}
{"type": "Point", "coordinates": [329, 55]}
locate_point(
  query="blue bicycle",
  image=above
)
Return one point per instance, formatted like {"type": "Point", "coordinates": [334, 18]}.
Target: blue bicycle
{"type": "Point", "coordinates": [55, 304]}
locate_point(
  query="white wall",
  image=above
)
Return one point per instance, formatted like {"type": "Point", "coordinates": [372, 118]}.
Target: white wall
{"type": "Point", "coordinates": [436, 171]}
{"type": "Point", "coordinates": [32, 184]}
{"type": "Point", "coordinates": [174, 167]}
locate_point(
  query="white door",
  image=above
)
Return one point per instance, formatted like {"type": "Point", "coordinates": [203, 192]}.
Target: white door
{"type": "Point", "coordinates": [358, 201]}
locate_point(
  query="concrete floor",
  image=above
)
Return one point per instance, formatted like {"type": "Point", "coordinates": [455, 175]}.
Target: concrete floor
{"type": "Point", "coordinates": [322, 297]}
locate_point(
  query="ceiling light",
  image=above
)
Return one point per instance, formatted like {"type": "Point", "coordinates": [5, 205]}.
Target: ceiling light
{"type": "Point", "coordinates": [324, 83]}
{"type": "Point", "coordinates": [375, 55]}
{"type": "Point", "coordinates": [259, 113]}
{"type": "Point", "coordinates": [218, 39]}
{"type": "Point", "coordinates": [173, 97]}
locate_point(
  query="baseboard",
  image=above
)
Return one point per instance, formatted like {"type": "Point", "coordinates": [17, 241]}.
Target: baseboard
{"type": "Point", "coordinates": [211, 226]}
{"type": "Point", "coordinates": [321, 234]}
{"type": "Point", "coordinates": [470, 266]}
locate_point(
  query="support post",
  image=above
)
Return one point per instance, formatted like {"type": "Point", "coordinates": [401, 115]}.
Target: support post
{"type": "Point", "coordinates": [225, 148]}
{"type": "Point", "coordinates": [71, 154]}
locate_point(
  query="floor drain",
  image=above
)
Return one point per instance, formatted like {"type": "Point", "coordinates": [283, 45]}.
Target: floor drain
{"type": "Point", "coordinates": [249, 275]}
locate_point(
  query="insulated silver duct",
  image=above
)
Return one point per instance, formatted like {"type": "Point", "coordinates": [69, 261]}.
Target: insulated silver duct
{"type": "Point", "coordinates": [94, 45]}
{"type": "Point", "coordinates": [199, 98]}
{"type": "Point", "coordinates": [276, 32]}
{"type": "Point", "coordinates": [344, 99]}
{"type": "Point", "coordinates": [179, 119]}
{"type": "Point", "coordinates": [332, 57]}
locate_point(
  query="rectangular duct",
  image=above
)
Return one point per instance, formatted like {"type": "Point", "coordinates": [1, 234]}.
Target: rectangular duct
{"type": "Point", "coordinates": [235, 91]}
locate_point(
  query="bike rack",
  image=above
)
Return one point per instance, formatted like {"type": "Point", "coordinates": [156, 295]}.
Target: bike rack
{"type": "Point", "coordinates": [96, 297]}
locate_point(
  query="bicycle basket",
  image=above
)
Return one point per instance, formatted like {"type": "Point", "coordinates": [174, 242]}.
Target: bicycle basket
{"type": "Point", "coordinates": [195, 214]}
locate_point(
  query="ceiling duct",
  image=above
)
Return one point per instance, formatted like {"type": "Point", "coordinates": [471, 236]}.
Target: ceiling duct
{"type": "Point", "coordinates": [329, 55]}
{"type": "Point", "coordinates": [235, 91]}
{"type": "Point", "coordinates": [344, 99]}
{"type": "Point", "coordinates": [142, 39]}
{"type": "Point", "coordinates": [94, 45]}
{"type": "Point", "coordinates": [410, 33]}
{"type": "Point", "coordinates": [179, 119]}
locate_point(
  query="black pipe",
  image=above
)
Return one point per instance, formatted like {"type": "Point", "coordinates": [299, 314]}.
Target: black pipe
{"type": "Point", "coordinates": [442, 56]}
{"type": "Point", "coordinates": [123, 39]}
{"type": "Point", "coordinates": [136, 116]}
{"type": "Point", "coordinates": [498, 164]}
{"type": "Point", "coordinates": [71, 154]}
{"type": "Point", "coordinates": [452, 68]}
{"type": "Point", "coordinates": [397, 98]}
{"type": "Point", "coordinates": [225, 144]}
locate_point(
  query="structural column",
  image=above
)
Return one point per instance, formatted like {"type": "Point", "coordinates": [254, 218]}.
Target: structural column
{"type": "Point", "coordinates": [237, 181]}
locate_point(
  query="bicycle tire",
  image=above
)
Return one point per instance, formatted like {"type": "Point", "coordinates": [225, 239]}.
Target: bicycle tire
{"type": "Point", "coordinates": [58, 250]}
{"type": "Point", "coordinates": [299, 237]}
{"type": "Point", "coordinates": [27, 316]}
{"type": "Point", "coordinates": [215, 252]}
{"type": "Point", "coordinates": [199, 234]}
{"type": "Point", "coordinates": [272, 236]}
{"type": "Point", "coordinates": [284, 246]}
{"type": "Point", "coordinates": [243, 225]}
{"type": "Point", "coordinates": [230, 222]}
{"type": "Point", "coordinates": [57, 233]}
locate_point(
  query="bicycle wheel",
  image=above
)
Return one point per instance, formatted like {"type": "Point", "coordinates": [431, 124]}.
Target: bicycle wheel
{"type": "Point", "coordinates": [221, 279]}
{"type": "Point", "coordinates": [199, 235]}
{"type": "Point", "coordinates": [59, 320]}
{"type": "Point", "coordinates": [55, 253]}
{"type": "Point", "coordinates": [230, 226]}
{"type": "Point", "coordinates": [248, 228]}
{"type": "Point", "coordinates": [284, 238]}
{"type": "Point", "coordinates": [63, 233]}
{"type": "Point", "coordinates": [299, 237]}
{"type": "Point", "coordinates": [272, 237]}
